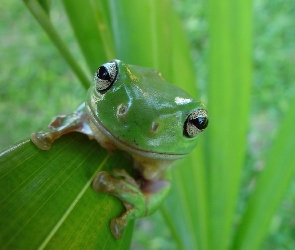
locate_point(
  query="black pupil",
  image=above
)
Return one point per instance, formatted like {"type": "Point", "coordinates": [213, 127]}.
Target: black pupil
{"type": "Point", "coordinates": [201, 122]}
{"type": "Point", "coordinates": [103, 73]}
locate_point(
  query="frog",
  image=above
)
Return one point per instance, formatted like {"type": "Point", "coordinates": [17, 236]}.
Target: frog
{"type": "Point", "coordinates": [133, 109]}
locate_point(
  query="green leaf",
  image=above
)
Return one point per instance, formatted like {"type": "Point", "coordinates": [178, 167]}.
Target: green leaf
{"type": "Point", "coordinates": [270, 188]}
{"type": "Point", "coordinates": [45, 5]}
{"type": "Point", "coordinates": [230, 81]}
{"type": "Point", "coordinates": [39, 13]}
{"type": "Point", "coordinates": [47, 200]}
{"type": "Point", "coordinates": [92, 31]}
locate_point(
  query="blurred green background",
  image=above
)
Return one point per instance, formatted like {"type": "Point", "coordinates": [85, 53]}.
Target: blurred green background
{"type": "Point", "coordinates": [32, 67]}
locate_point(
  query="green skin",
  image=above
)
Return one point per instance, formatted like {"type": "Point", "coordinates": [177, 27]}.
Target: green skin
{"type": "Point", "coordinates": [139, 113]}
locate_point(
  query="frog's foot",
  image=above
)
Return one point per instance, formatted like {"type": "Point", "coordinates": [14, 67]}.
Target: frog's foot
{"type": "Point", "coordinates": [57, 122]}
{"type": "Point", "coordinates": [42, 140]}
{"type": "Point", "coordinates": [77, 121]}
{"type": "Point", "coordinates": [131, 196]}
{"type": "Point", "coordinates": [56, 128]}
{"type": "Point", "coordinates": [122, 174]}
{"type": "Point", "coordinates": [138, 200]}
{"type": "Point", "coordinates": [118, 224]}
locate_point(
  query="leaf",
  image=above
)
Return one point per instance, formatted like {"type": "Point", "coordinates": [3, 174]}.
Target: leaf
{"type": "Point", "coordinates": [229, 86]}
{"type": "Point", "coordinates": [39, 13]}
{"type": "Point", "coordinates": [93, 31]}
{"type": "Point", "coordinates": [45, 5]}
{"type": "Point", "coordinates": [47, 200]}
{"type": "Point", "coordinates": [271, 187]}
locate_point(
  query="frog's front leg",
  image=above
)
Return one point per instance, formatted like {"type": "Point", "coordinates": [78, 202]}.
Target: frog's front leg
{"type": "Point", "coordinates": [77, 121]}
{"type": "Point", "coordinates": [139, 198]}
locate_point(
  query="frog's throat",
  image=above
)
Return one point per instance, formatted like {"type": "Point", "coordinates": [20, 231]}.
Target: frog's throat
{"type": "Point", "coordinates": [128, 148]}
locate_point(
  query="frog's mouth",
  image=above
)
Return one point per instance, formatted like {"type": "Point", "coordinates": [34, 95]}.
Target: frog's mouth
{"type": "Point", "coordinates": [122, 145]}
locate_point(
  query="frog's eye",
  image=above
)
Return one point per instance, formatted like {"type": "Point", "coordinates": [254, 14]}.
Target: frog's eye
{"type": "Point", "coordinates": [105, 76]}
{"type": "Point", "coordinates": [195, 123]}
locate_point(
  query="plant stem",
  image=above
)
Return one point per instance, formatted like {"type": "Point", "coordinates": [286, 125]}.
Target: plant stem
{"type": "Point", "coordinates": [43, 19]}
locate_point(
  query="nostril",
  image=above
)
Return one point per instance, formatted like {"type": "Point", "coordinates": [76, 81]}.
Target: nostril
{"type": "Point", "coordinates": [122, 110]}
{"type": "Point", "coordinates": [154, 127]}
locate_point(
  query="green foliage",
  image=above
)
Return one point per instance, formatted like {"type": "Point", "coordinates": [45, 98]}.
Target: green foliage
{"type": "Point", "coordinates": [223, 201]}
{"type": "Point", "coordinates": [43, 18]}
{"type": "Point", "coordinates": [47, 200]}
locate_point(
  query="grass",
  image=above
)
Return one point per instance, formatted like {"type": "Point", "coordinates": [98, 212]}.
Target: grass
{"type": "Point", "coordinates": [28, 69]}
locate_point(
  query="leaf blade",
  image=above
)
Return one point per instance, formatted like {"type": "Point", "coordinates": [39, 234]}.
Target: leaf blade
{"type": "Point", "coordinates": [43, 19]}
{"type": "Point", "coordinates": [51, 189]}
{"type": "Point", "coordinates": [230, 67]}
{"type": "Point", "coordinates": [92, 31]}
{"type": "Point", "coordinates": [278, 172]}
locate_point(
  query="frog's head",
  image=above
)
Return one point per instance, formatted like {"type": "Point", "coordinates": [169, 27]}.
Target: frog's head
{"type": "Point", "coordinates": [143, 114]}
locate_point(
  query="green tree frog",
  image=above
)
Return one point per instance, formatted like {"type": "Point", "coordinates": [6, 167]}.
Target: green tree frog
{"type": "Point", "coordinates": [133, 109]}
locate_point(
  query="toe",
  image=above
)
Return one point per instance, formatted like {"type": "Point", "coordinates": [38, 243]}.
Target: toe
{"type": "Point", "coordinates": [103, 183]}
{"type": "Point", "coordinates": [117, 227]}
